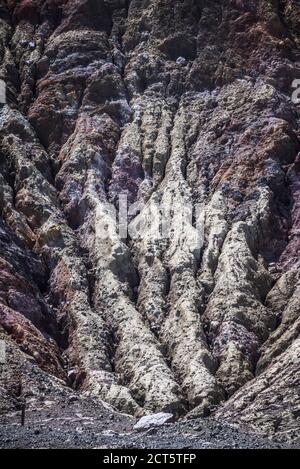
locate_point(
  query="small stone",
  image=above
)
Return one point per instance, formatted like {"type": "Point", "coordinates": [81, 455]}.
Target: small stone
{"type": "Point", "coordinates": [153, 420]}
{"type": "Point", "coordinates": [72, 399]}
{"type": "Point", "coordinates": [181, 61]}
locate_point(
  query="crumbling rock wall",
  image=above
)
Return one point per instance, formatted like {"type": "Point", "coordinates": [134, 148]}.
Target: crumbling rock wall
{"type": "Point", "coordinates": [174, 102]}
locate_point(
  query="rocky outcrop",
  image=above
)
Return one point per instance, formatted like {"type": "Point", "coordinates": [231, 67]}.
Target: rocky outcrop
{"type": "Point", "coordinates": [181, 105]}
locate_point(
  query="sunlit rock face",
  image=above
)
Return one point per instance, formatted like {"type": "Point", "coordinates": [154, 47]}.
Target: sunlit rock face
{"type": "Point", "coordinates": [187, 105]}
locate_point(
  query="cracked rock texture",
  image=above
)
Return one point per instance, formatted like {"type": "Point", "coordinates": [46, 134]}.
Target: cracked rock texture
{"type": "Point", "coordinates": [184, 103]}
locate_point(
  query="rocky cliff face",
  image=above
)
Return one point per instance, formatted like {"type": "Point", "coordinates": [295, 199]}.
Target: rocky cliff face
{"type": "Point", "coordinates": [179, 103]}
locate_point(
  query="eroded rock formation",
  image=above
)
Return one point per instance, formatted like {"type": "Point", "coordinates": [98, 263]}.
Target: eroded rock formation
{"type": "Point", "coordinates": [180, 103]}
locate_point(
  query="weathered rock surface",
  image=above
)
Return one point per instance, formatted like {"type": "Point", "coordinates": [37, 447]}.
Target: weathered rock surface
{"type": "Point", "coordinates": [154, 420]}
{"type": "Point", "coordinates": [172, 103]}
